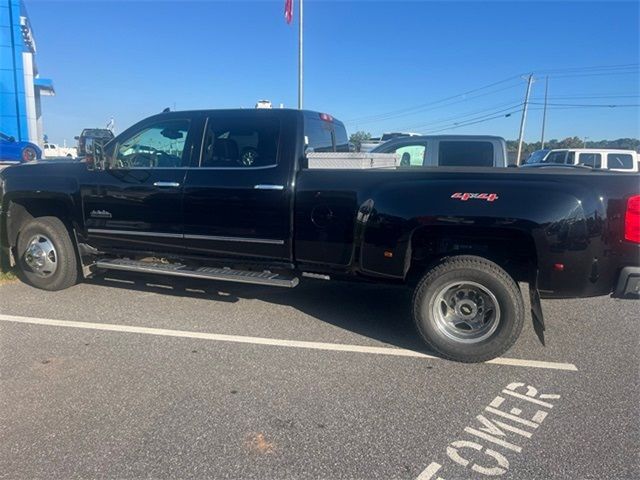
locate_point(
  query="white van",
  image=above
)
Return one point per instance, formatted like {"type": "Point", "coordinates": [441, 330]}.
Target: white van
{"type": "Point", "coordinates": [607, 159]}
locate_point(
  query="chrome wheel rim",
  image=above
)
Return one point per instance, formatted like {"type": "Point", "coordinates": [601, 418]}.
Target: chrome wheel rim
{"type": "Point", "coordinates": [41, 256]}
{"type": "Point", "coordinates": [466, 312]}
{"type": "Point", "coordinates": [29, 154]}
{"type": "Point", "coordinates": [248, 158]}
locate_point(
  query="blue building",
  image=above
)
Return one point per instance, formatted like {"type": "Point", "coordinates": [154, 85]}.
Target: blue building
{"type": "Point", "coordinates": [20, 83]}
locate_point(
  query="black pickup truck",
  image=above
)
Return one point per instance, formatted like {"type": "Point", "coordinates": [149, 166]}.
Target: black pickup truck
{"type": "Point", "coordinates": [228, 195]}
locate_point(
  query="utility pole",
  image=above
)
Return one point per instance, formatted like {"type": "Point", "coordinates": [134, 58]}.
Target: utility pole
{"type": "Point", "coordinates": [544, 113]}
{"type": "Point", "coordinates": [300, 55]}
{"type": "Point", "coordinates": [524, 117]}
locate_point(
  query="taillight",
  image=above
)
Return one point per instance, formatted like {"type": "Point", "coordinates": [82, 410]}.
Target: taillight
{"type": "Point", "coordinates": [326, 117]}
{"type": "Point", "coordinates": [632, 220]}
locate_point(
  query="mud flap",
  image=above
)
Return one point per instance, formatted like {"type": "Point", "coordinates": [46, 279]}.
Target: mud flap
{"type": "Point", "coordinates": [536, 309]}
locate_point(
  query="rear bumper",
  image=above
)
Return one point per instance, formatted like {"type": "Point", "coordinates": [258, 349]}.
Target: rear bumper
{"type": "Point", "coordinates": [628, 283]}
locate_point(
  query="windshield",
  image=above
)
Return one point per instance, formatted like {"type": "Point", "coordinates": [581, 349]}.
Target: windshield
{"type": "Point", "coordinates": [537, 156]}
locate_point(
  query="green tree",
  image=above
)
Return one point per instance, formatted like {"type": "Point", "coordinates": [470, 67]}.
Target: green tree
{"type": "Point", "coordinates": [359, 137]}
{"type": "Point", "coordinates": [571, 142]}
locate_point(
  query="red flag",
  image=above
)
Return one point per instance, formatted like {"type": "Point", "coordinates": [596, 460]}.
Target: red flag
{"type": "Point", "coordinates": [288, 10]}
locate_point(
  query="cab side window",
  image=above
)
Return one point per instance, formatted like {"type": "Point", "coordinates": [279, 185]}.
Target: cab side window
{"type": "Point", "coordinates": [465, 154]}
{"type": "Point", "coordinates": [620, 160]}
{"type": "Point", "coordinates": [160, 145]}
{"type": "Point", "coordinates": [593, 160]}
{"type": "Point", "coordinates": [411, 155]}
{"type": "Point", "coordinates": [556, 157]}
{"type": "Point", "coordinates": [241, 143]}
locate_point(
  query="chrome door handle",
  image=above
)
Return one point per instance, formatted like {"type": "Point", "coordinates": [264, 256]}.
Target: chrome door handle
{"type": "Point", "coordinates": [166, 184]}
{"type": "Point", "coordinates": [264, 186]}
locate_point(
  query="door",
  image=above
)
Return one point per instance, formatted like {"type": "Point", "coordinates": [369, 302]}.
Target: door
{"type": "Point", "coordinates": [136, 204]}
{"type": "Point", "coordinates": [9, 148]}
{"type": "Point", "coordinates": [410, 152]}
{"type": "Point", "coordinates": [556, 157]}
{"type": "Point", "coordinates": [238, 198]}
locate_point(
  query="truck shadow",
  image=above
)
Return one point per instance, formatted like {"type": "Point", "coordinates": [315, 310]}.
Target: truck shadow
{"type": "Point", "coordinates": [380, 312]}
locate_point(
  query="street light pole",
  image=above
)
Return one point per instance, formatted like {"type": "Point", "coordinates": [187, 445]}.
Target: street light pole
{"type": "Point", "coordinates": [544, 113]}
{"type": "Point", "coordinates": [524, 117]}
{"type": "Point", "coordinates": [300, 54]}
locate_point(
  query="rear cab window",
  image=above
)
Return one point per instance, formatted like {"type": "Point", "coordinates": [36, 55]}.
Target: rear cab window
{"type": "Point", "coordinates": [322, 133]}
{"type": "Point", "coordinates": [465, 153]}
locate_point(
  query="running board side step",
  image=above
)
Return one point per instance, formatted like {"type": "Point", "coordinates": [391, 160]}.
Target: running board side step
{"type": "Point", "coordinates": [208, 273]}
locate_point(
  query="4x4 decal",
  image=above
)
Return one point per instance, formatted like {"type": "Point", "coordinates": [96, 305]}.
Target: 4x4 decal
{"type": "Point", "coordinates": [489, 197]}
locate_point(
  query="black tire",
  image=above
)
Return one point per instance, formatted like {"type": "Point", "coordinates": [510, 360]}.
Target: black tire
{"type": "Point", "coordinates": [65, 273]}
{"type": "Point", "coordinates": [29, 154]}
{"type": "Point", "coordinates": [494, 284]}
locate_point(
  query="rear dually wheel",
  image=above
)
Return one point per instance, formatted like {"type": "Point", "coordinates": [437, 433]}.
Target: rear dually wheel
{"type": "Point", "coordinates": [468, 309]}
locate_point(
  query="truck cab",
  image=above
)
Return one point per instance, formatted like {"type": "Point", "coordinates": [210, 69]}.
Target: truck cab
{"type": "Point", "coordinates": [447, 150]}
{"type": "Point", "coordinates": [215, 184]}
{"type": "Point", "coordinates": [51, 150]}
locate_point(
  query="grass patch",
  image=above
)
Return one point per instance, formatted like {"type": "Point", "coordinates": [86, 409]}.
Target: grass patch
{"type": "Point", "coordinates": [6, 277]}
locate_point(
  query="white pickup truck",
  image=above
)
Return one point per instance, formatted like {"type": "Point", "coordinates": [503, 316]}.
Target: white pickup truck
{"type": "Point", "coordinates": [447, 150]}
{"type": "Point", "coordinates": [51, 150]}
{"type": "Point", "coordinates": [598, 158]}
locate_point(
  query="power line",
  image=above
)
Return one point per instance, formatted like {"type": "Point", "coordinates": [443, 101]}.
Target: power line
{"type": "Point", "coordinates": [404, 111]}
{"type": "Point", "coordinates": [475, 122]}
{"type": "Point", "coordinates": [492, 117]}
{"type": "Point", "coordinates": [598, 74]}
{"type": "Point", "coordinates": [591, 68]}
{"type": "Point", "coordinates": [572, 72]}
{"type": "Point", "coordinates": [492, 110]}
{"type": "Point", "coordinates": [603, 105]}
{"type": "Point", "coordinates": [579, 97]}
{"type": "Point", "coordinates": [436, 107]}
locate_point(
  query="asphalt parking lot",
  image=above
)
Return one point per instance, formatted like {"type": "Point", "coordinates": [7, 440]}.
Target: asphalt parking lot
{"type": "Point", "coordinates": [131, 377]}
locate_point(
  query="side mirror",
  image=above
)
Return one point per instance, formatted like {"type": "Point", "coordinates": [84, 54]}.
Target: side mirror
{"type": "Point", "coordinates": [12, 139]}
{"type": "Point", "coordinates": [76, 137]}
{"type": "Point", "coordinates": [96, 159]}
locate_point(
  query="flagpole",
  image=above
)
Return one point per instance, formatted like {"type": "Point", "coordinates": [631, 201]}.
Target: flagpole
{"type": "Point", "coordinates": [300, 54]}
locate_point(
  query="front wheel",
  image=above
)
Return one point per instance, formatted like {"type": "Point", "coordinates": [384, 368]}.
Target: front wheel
{"type": "Point", "coordinates": [46, 257]}
{"type": "Point", "coordinates": [29, 154]}
{"type": "Point", "coordinates": [468, 309]}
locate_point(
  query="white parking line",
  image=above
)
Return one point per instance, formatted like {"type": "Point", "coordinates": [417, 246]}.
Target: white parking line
{"type": "Point", "coordinates": [337, 347]}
